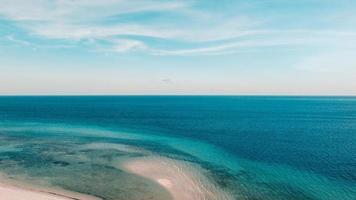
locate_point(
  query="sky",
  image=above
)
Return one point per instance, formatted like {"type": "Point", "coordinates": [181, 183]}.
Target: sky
{"type": "Point", "coordinates": [227, 47]}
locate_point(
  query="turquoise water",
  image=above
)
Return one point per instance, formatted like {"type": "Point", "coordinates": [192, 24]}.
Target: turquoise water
{"type": "Point", "coordinates": [254, 147]}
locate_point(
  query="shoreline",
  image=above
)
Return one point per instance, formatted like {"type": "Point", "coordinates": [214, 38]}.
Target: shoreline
{"type": "Point", "coordinates": [182, 180]}
{"type": "Point", "coordinates": [15, 190]}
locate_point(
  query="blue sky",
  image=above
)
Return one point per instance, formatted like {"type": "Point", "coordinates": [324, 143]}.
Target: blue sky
{"type": "Point", "coordinates": [178, 47]}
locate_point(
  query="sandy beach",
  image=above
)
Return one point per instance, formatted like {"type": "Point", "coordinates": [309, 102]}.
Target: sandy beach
{"type": "Point", "coordinates": [183, 181]}
{"type": "Point", "coordinates": [11, 191]}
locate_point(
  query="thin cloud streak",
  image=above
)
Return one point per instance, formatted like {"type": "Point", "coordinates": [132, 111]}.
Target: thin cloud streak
{"type": "Point", "coordinates": [129, 45]}
{"type": "Point", "coordinates": [82, 20]}
{"type": "Point", "coordinates": [79, 10]}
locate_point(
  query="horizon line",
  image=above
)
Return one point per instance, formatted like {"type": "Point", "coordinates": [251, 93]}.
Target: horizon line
{"type": "Point", "coordinates": [252, 95]}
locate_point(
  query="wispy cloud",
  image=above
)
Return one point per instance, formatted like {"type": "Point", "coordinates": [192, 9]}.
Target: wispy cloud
{"type": "Point", "coordinates": [79, 10]}
{"type": "Point", "coordinates": [17, 41]}
{"type": "Point", "coordinates": [203, 31]}
{"type": "Point", "coordinates": [85, 20]}
{"type": "Point", "coordinates": [33, 45]}
{"type": "Point", "coordinates": [286, 39]}
{"type": "Point", "coordinates": [129, 45]}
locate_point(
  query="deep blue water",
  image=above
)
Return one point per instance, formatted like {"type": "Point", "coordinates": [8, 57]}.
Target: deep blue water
{"type": "Point", "coordinates": [314, 135]}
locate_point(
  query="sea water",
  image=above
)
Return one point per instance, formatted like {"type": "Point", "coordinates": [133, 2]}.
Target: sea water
{"type": "Point", "coordinates": [253, 147]}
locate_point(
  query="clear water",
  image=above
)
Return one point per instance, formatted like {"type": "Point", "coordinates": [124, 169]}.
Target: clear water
{"type": "Point", "coordinates": [255, 147]}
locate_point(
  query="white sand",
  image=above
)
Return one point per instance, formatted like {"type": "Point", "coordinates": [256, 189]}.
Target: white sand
{"type": "Point", "coordinates": [181, 179]}
{"type": "Point", "coordinates": [8, 191]}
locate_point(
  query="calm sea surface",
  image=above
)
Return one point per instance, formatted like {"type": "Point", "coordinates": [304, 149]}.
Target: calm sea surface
{"type": "Point", "coordinates": [269, 147]}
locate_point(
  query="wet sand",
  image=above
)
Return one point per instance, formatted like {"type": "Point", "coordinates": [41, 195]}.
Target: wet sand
{"type": "Point", "coordinates": [183, 181]}
{"type": "Point", "coordinates": [11, 191]}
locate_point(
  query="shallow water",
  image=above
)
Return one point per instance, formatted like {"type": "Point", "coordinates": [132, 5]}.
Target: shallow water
{"type": "Point", "coordinates": [254, 147]}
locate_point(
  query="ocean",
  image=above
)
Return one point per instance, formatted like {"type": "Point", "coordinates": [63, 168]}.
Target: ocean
{"type": "Point", "coordinates": [253, 147]}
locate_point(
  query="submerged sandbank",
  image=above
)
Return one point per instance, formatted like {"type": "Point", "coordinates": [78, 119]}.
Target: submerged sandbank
{"type": "Point", "coordinates": [181, 179]}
